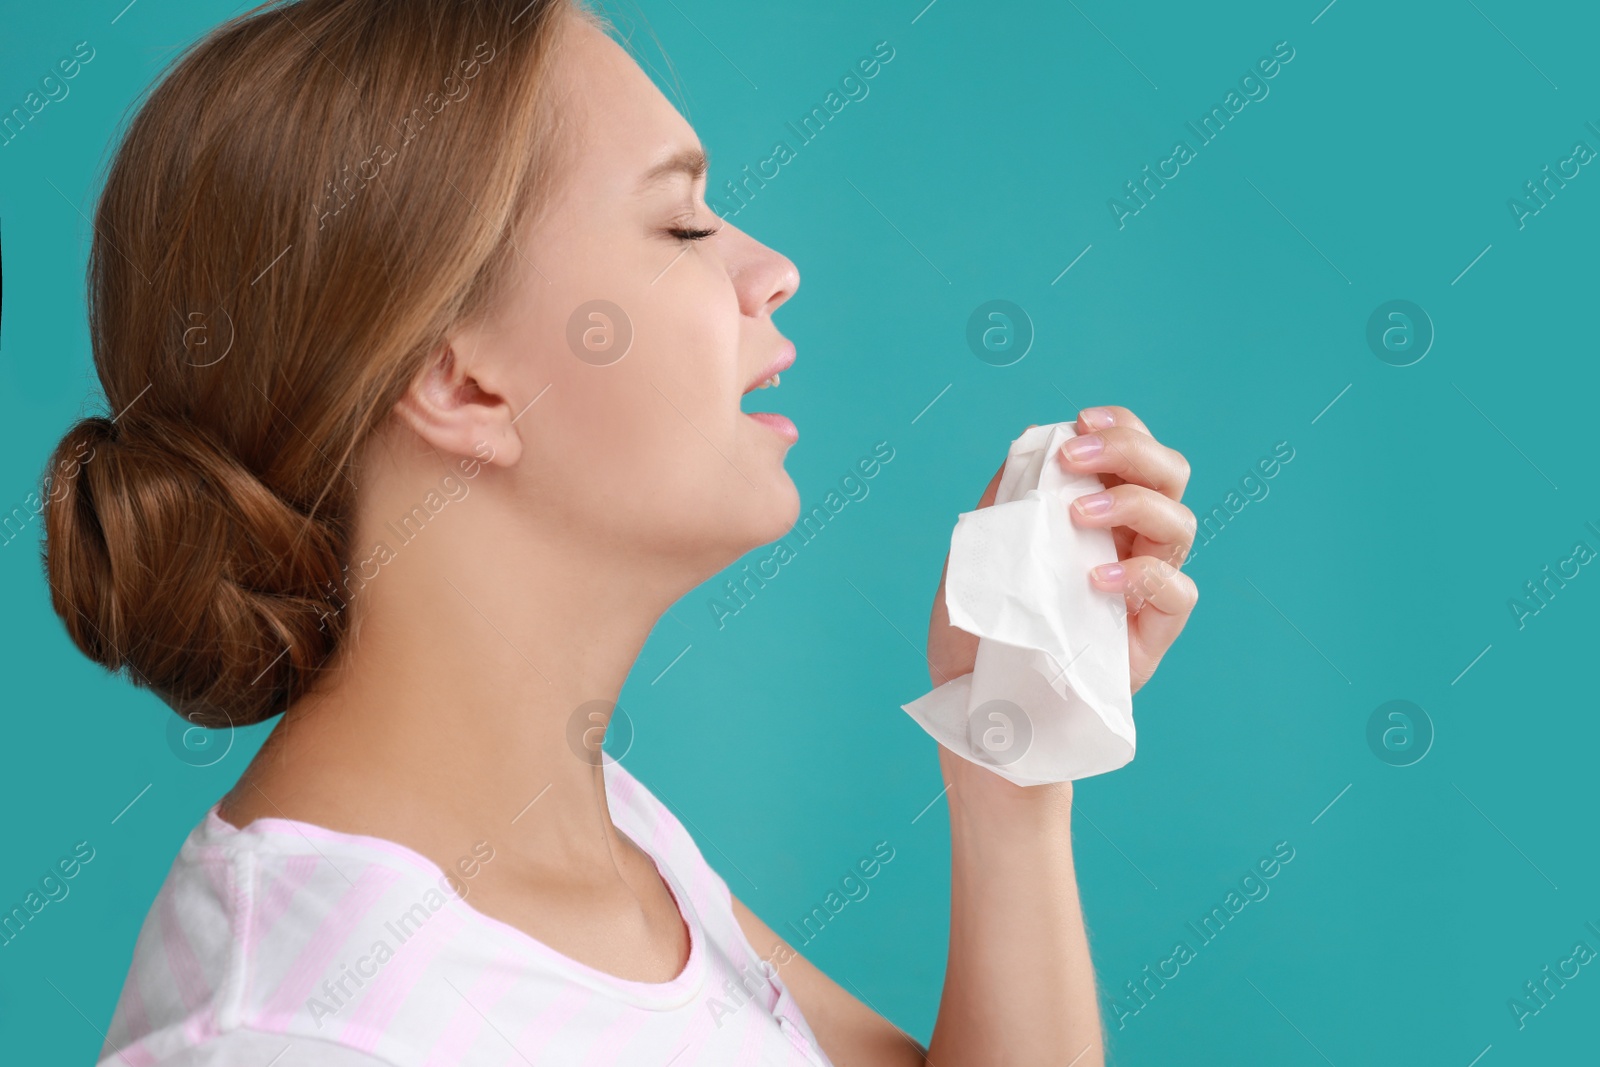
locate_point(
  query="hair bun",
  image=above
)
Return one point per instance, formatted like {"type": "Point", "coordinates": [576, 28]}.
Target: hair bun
{"type": "Point", "coordinates": [168, 557]}
{"type": "Point", "coordinates": [256, 315]}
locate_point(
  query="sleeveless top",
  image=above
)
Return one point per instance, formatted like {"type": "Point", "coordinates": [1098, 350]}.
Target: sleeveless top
{"type": "Point", "coordinates": [323, 949]}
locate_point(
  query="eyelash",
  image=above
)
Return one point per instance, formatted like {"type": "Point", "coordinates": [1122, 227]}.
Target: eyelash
{"type": "Point", "coordinates": [691, 235]}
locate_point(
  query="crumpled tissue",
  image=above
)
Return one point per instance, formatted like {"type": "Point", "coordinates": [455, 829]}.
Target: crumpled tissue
{"type": "Point", "coordinates": [1049, 699]}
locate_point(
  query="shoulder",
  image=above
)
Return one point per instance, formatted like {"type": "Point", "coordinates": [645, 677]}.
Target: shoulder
{"type": "Point", "coordinates": [275, 932]}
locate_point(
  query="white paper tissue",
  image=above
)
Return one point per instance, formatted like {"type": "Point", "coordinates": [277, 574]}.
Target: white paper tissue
{"type": "Point", "coordinates": [1049, 698]}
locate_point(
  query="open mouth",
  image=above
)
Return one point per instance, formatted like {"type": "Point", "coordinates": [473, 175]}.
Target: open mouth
{"type": "Point", "coordinates": [769, 378]}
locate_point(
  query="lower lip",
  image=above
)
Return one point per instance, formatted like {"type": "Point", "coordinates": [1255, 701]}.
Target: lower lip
{"type": "Point", "coordinates": [778, 424]}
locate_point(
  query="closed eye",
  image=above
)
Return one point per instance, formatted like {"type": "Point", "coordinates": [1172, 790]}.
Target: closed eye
{"type": "Point", "coordinates": [690, 235]}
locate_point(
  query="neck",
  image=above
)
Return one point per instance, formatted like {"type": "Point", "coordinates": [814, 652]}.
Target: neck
{"type": "Point", "coordinates": [469, 698]}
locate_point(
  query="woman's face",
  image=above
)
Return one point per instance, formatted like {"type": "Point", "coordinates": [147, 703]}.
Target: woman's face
{"type": "Point", "coordinates": [638, 440]}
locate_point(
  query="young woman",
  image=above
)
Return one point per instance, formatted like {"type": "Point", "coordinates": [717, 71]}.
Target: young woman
{"type": "Point", "coordinates": [353, 259]}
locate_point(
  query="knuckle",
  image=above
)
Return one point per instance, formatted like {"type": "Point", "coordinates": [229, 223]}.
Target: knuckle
{"type": "Point", "coordinates": [1124, 435]}
{"type": "Point", "coordinates": [1151, 573]}
{"type": "Point", "coordinates": [1131, 502]}
{"type": "Point", "coordinates": [1111, 435]}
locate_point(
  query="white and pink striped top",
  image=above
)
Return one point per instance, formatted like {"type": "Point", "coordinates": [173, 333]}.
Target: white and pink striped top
{"type": "Point", "coordinates": [288, 944]}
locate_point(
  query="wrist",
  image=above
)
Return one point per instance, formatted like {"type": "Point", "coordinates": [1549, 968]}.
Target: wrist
{"type": "Point", "coordinates": [978, 795]}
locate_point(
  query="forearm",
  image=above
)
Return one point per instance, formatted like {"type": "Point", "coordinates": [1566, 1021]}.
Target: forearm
{"type": "Point", "coordinates": [1019, 983]}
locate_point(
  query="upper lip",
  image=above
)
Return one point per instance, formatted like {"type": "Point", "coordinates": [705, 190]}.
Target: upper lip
{"type": "Point", "coordinates": [779, 363]}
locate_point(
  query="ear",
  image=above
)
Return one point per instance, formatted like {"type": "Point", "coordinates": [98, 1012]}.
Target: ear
{"type": "Point", "coordinates": [452, 412]}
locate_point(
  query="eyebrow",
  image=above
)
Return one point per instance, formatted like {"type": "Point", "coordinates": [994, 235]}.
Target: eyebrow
{"type": "Point", "coordinates": [692, 162]}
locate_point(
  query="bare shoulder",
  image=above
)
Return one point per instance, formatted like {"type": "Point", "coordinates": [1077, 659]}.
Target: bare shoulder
{"type": "Point", "coordinates": [850, 1032]}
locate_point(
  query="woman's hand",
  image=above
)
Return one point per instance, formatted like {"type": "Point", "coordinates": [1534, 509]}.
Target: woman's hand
{"type": "Point", "coordinates": [1019, 974]}
{"type": "Point", "coordinates": [1153, 533]}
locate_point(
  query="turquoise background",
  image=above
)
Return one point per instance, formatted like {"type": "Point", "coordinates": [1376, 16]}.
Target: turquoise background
{"type": "Point", "coordinates": [1230, 313]}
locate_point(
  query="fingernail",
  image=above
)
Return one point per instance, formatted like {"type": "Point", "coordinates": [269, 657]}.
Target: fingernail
{"type": "Point", "coordinates": [1082, 448]}
{"type": "Point", "coordinates": [1099, 418]}
{"type": "Point", "coordinates": [1109, 573]}
{"type": "Point", "coordinates": [1094, 503]}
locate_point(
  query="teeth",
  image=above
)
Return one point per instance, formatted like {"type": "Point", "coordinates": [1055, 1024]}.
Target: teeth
{"type": "Point", "coordinates": [773, 381]}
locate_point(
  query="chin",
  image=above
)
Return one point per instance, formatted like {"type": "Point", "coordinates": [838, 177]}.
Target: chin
{"type": "Point", "coordinates": [779, 508]}
{"type": "Point", "coordinates": [791, 505]}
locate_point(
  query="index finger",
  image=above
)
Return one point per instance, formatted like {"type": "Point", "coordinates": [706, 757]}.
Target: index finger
{"type": "Point", "coordinates": [1131, 455]}
{"type": "Point", "coordinates": [1104, 416]}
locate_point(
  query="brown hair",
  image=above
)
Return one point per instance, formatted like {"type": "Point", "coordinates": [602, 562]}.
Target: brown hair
{"type": "Point", "coordinates": [314, 194]}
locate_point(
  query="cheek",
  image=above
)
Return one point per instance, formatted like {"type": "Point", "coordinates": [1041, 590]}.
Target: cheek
{"type": "Point", "coordinates": [639, 442]}
{"type": "Point", "coordinates": [686, 369]}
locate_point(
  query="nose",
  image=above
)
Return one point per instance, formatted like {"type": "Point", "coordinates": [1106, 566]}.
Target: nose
{"type": "Point", "coordinates": [763, 278]}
